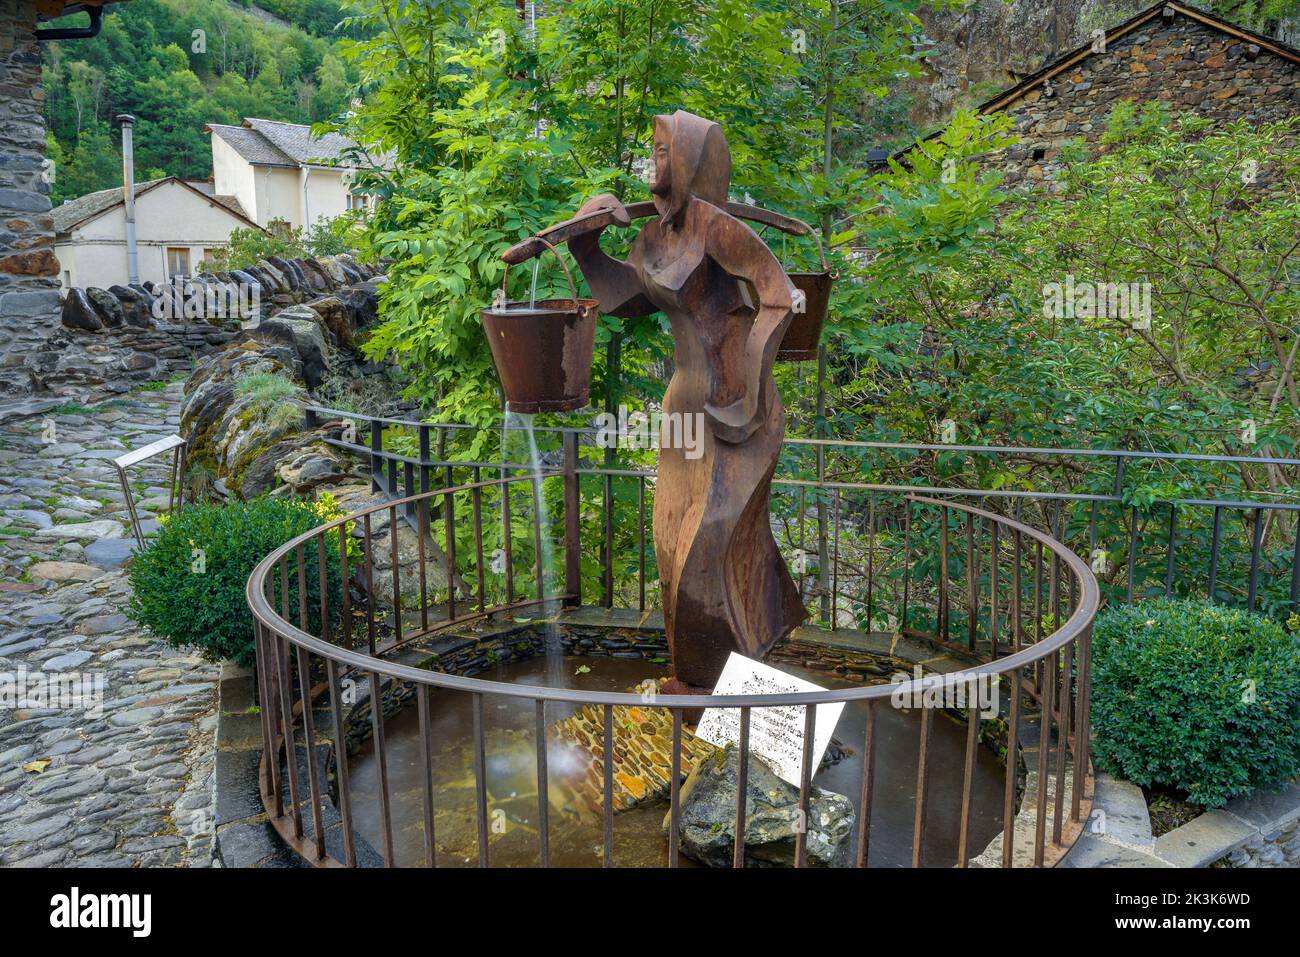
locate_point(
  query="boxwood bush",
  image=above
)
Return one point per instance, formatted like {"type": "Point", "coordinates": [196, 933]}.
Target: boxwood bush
{"type": "Point", "coordinates": [188, 584]}
{"type": "Point", "coordinates": [1196, 697]}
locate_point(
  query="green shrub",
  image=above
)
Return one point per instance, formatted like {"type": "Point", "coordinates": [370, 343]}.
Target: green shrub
{"type": "Point", "coordinates": [1196, 697]}
{"type": "Point", "coordinates": [188, 584]}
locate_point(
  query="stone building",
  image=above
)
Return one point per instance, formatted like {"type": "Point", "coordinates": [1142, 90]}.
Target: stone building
{"type": "Point", "coordinates": [29, 271]}
{"type": "Point", "coordinates": [1172, 53]}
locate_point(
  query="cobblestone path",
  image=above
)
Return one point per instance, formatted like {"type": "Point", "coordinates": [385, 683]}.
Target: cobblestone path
{"type": "Point", "coordinates": [131, 784]}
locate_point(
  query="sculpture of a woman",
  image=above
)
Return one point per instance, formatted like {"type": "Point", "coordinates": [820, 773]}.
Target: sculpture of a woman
{"type": "Point", "coordinates": [725, 586]}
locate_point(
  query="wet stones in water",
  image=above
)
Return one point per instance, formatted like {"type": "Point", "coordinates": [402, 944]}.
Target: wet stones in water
{"type": "Point", "coordinates": [836, 752]}
{"type": "Point", "coordinates": [706, 828]}
{"type": "Point", "coordinates": [643, 743]}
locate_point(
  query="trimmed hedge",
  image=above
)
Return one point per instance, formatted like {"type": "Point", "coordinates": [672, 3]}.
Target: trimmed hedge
{"type": "Point", "coordinates": [1197, 697]}
{"type": "Point", "coordinates": [188, 584]}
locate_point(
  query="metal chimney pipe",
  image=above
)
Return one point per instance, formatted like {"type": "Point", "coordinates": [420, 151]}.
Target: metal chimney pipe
{"type": "Point", "coordinates": [127, 122]}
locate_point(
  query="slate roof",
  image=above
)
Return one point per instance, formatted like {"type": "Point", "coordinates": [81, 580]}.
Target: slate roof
{"type": "Point", "coordinates": [84, 208]}
{"type": "Point", "coordinates": [92, 204]}
{"type": "Point", "coordinates": [273, 143]}
{"type": "Point", "coordinates": [251, 145]}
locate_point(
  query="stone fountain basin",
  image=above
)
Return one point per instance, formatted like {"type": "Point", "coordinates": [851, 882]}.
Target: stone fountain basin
{"type": "Point", "coordinates": [616, 650]}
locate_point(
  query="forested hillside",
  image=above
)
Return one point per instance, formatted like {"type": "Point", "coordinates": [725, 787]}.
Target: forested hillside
{"type": "Point", "coordinates": [176, 65]}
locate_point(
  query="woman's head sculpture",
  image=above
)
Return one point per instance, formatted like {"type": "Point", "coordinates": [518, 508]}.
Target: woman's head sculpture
{"type": "Point", "coordinates": [691, 158]}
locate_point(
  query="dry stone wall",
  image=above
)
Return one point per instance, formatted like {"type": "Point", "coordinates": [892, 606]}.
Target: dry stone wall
{"type": "Point", "coordinates": [251, 442]}
{"type": "Point", "coordinates": [1188, 66]}
{"type": "Point", "coordinates": [110, 339]}
{"type": "Point", "coordinates": [29, 286]}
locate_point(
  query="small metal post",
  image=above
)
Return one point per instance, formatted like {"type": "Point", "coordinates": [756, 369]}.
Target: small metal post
{"type": "Point", "coordinates": [572, 531]}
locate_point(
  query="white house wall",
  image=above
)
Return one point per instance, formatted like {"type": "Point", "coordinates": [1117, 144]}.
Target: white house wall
{"type": "Point", "coordinates": [166, 216]}
{"type": "Point", "coordinates": [327, 193]}
{"type": "Point", "coordinates": [278, 196]}
{"type": "Point", "coordinates": [233, 176]}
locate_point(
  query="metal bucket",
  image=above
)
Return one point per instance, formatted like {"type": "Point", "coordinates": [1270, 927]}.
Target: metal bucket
{"type": "Point", "coordinates": [805, 330]}
{"type": "Point", "coordinates": [543, 350]}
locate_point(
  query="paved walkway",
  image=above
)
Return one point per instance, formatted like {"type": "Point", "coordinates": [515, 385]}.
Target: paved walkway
{"type": "Point", "coordinates": [129, 784]}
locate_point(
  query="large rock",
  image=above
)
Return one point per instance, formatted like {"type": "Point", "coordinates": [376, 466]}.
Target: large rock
{"type": "Point", "coordinates": [331, 265]}
{"type": "Point", "coordinates": [82, 531]}
{"type": "Point", "coordinates": [137, 306]}
{"type": "Point", "coordinates": [314, 275]}
{"type": "Point", "coordinates": [110, 552]}
{"type": "Point", "coordinates": [272, 280]}
{"type": "Point", "coordinates": [64, 571]}
{"type": "Point", "coordinates": [79, 312]}
{"type": "Point", "coordinates": [362, 301]}
{"type": "Point", "coordinates": [707, 825]}
{"type": "Point", "coordinates": [107, 307]}
{"type": "Point", "coordinates": [304, 326]}
{"type": "Point", "coordinates": [301, 462]}
{"type": "Point", "coordinates": [290, 270]}
{"type": "Point", "coordinates": [254, 286]}
{"type": "Point", "coordinates": [338, 318]}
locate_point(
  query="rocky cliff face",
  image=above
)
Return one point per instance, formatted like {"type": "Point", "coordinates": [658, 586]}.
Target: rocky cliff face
{"type": "Point", "coordinates": [990, 45]}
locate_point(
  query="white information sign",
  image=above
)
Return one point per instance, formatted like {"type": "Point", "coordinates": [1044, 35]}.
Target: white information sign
{"type": "Point", "coordinates": [775, 734]}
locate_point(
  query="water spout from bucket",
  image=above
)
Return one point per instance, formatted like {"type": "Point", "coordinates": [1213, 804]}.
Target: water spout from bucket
{"type": "Point", "coordinates": [525, 423]}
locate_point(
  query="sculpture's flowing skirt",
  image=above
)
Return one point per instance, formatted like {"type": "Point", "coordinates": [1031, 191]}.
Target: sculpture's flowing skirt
{"type": "Point", "coordinates": [725, 585]}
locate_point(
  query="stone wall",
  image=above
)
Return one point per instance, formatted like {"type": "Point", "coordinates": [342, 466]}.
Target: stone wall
{"type": "Point", "coordinates": [29, 287]}
{"type": "Point", "coordinates": [1279, 848]}
{"type": "Point", "coordinates": [109, 339]}
{"type": "Point", "coordinates": [1189, 67]}
{"type": "Point", "coordinates": [252, 443]}
{"type": "Point", "coordinates": [984, 46]}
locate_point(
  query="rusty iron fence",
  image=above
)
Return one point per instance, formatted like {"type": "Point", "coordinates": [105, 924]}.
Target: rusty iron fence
{"type": "Point", "coordinates": [1012, 600]}
{"type": "Point", "coordinates": [1235, 549]}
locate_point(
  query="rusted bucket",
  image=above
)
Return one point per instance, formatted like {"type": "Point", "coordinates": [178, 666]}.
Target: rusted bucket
{"type": "Point", "coordinates": [543, 350]}
{"type": "Point", "coordinates": [805, 330]}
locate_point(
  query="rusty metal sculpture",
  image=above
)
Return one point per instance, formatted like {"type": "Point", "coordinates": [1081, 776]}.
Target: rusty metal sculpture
{"type": "Point", "coordinates": [725, 585]}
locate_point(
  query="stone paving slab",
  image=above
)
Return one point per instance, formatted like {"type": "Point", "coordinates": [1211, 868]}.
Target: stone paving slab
{"type": "Point", "coordinates": [1268, 809]}
{"type": "Point", "coordinates": [128, 784]}
{"type": "Point", "coordinates": [1092, 851]}
{"type": "Point", "coordinates": [1119, 812]}
{"type": "Point", "coordinates": [1259, 831]}
{"type": "Point", "coordinates": [1203, 840]}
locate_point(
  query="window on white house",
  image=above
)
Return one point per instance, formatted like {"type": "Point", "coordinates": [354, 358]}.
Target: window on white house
{"type": "Point", "coordinates": [356, 201]}
{"type": "Point", "coordinates": [178, 261]}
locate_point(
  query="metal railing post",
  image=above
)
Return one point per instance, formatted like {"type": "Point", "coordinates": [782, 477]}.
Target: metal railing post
{"type": "Point", "coordinates": [572, 525]}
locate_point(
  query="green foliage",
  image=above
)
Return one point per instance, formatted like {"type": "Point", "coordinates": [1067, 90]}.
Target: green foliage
{"type": "Point", "coordinates": [249, 245]}
{"type": "Point", "coordinates": [149, 61]}
{"type": "Point", "coordinates": [497, 134]}
{"type": "Point", "coordinates": [939, 310]}
{"type": "Point", "coordinates": [953, 293]}
{"type": "Point", "coordinates": [1196, 697]}
{"type": "Point", "coordinates": [188, 584]}
{"type": "Point", "coordinates": [327, 237]}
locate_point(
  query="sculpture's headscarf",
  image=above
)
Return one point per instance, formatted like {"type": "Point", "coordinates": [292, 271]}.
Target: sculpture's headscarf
{"type": "Point", "coordinates": [699, 164]}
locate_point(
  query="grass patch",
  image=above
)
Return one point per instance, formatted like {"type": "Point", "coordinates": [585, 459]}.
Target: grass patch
{"type": "Point", "coordinates": [73, 408]}
{"type": "Point", "coordinates": [153, 386]}
{"type": "Point", "coordinates": [268, 387]}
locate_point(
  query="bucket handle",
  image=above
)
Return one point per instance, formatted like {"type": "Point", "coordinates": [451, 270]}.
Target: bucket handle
{"type": "Point", "coordinates": [573, 289]}
{"type": "Point", "coordinates": [809, 231]}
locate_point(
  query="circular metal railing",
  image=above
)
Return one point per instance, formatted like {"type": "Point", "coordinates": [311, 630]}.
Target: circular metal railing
{"type": "Point", "coordinates": [329, 614]}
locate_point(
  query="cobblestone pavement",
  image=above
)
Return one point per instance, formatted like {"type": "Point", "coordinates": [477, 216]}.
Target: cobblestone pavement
{"type": "Point", "coordinates": [131, 785]}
